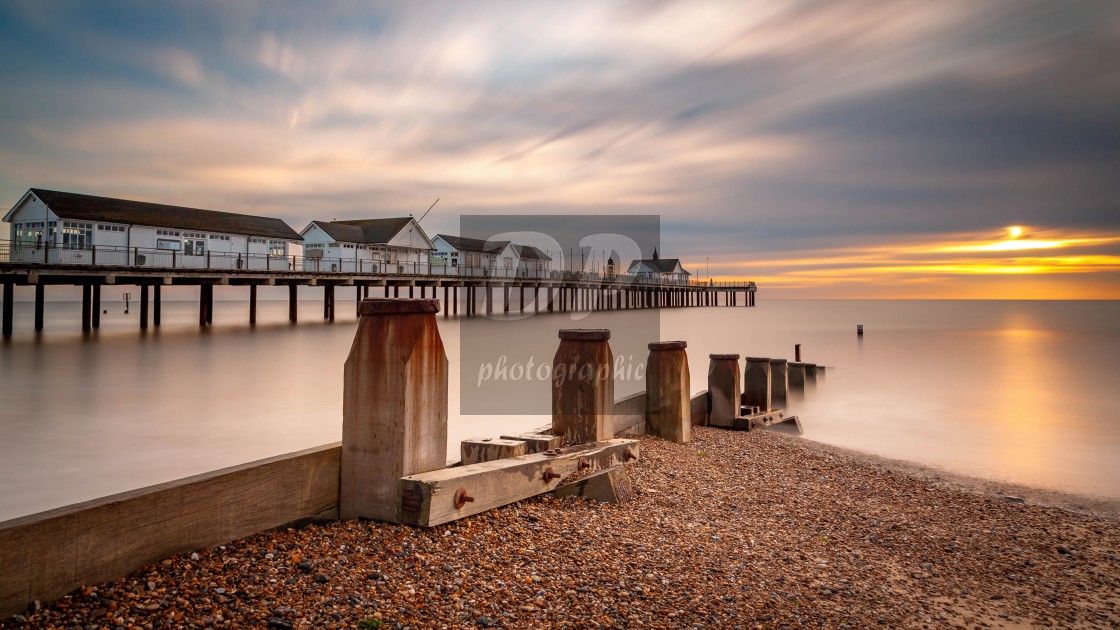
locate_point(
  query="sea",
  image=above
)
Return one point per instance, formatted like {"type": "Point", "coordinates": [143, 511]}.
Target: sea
{"type": "Point", "coordinates": [1016, 392]}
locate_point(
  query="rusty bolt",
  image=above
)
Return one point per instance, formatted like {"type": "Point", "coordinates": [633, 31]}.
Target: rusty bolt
{"type": "Point", "coordinates": [549, 475]}
{"type": "Point", "coordinates": [462, 498]}
{"type": "Point", "coordinates": [584, 464]}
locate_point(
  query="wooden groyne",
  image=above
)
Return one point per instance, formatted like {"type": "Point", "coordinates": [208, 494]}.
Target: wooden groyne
{"type": "Point", "coordinates": [390, 464]}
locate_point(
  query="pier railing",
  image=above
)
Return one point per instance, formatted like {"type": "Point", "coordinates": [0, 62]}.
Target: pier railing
{"type": "Point", "coordinates": [52, 255]}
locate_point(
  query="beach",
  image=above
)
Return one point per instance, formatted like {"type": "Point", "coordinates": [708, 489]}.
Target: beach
{"type": "Point", "coordinates": [733, 529]}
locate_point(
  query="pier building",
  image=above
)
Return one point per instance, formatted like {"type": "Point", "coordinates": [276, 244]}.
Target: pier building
{"type": "Point", "coordinates": [392, 245]}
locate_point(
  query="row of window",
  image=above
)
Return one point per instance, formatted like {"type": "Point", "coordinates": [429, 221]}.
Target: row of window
{"type": "Point", "coordinates": [101, 227]}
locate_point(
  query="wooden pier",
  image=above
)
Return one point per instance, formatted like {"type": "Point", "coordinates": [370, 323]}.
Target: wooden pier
{"type": "Point", "coordinates": [554, 291]}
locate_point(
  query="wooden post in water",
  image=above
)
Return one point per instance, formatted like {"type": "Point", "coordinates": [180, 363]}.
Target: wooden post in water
{"type": "Point", "coordinates": [9, 297]}
{"type": "Point", "coordinates": [156, 305]}
{"type": "Point", "coordinates": [394, 405]}
{"type": "Point", "coordinates": [779, 383]}
{"type": "Point", "coordinates": [292, 309]}
{"type": "Point", "coordinates": [756, 383]}
{"type": "Point", "coordinates": [583, 386]}
{"type": "Point", "coordinates": [796, 373]}
{"type": "Point", "coordinates": [724, 391]}
{"type": "Point", "coordinates": [252, 304]}
{"type": "Point", "coordinates": [143, 307]}
{"type": "Point", "coordinates": [96, 320]}
{"type": "Point", "coordinates": [810, 374]}
{"type": "Point", "coordinates": [87, 306]}
{"type": "Point", "coordinates": [668, 402]}
{"type": "Point", "coordinates": [39, 296]}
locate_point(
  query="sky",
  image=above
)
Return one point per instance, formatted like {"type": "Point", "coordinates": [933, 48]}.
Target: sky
{"type": "Point", "coordinates": [866, 149]}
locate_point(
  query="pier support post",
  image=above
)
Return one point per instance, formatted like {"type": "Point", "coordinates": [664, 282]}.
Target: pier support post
{"type": "Point", "coordinates": [455, 302]}
{"type": "Point", "coordinates": [143, 307]}
{"type": "Point", "coordinates": [583, 386]}
{"type": "Point", "coordinates": [394, 405]}
{"type": "Point", "coordinates": [156, 305]}
{"type": "Point", "coordinates": [489, 298]}
{"type": "Point", "coordinates": [292, 309]}
{"type": "Point", "coordinates": [779, 383]}
{"type": "Point", "coordinates": [39, 295]}
{"type": "Point", "coordinates": [446, 305]}
{"type": "Point", "coordinates": [505, 298]}
{"type": "Point", "coordinates": [96, 306]}
{"type": "Point", "coordinates": [9, 296]}
{"type": "Point", "coordinates": [724, 392]}
{"type": "Point", "coordinates": [550, 303]}
{"type": "Point", "coordinates": [668, 392]}
{"type": "Point", "coordinates": [756, 383]}
{"type": "Point", "coordinates": [87, 306]}
{"type": "Point", "coordinates": [252, 304]}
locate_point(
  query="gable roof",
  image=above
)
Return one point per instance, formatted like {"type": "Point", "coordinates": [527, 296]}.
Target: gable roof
{"type": "Point", "coordinates": [660, 265]}
{"type": "Point", "coordinates": [90, 208]}
{"type": "Point", "coordinates": [369, 231]}
{"type": "Point", "coordinates": [467, 244]}
{"type": "Point", "coordinates": [528, 251]}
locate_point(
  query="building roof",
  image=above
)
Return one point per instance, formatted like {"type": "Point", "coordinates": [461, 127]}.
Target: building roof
{"type": "Point", "coordinates": [528, 251]}
{"type": "Point", "coordinates": [466, 244]}
{"type": "Point", "coordinates": [109, 210]}
{"type": "Point", "coordinates": [369, 231]}
{"type": "Point", "coordinates": [661, 265]}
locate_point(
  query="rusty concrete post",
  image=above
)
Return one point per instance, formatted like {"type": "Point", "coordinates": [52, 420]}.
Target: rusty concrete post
{"type": "Point", "coordinates": [394, 405]}
{"type": "Point", "coordinates": [779, 383]}
{"type": "Point", "coordinates": [724, 391]}
{"type": "Point", "coordinates": [583, 386]}
{"type": "Point", "coordinates": [668, 392]}
{"type": "Point", "coordinates": [756, 383]}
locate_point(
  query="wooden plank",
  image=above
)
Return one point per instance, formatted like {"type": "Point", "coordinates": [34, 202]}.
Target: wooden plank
{"type": "Point", "coordinates": [607, 486]}
{"type": "Point", "coordinates": [487, 450]}
{"type": "Point", "coordinates": [537, 442]}
{"type": "Point", "coordinates": [46, 555]}
{"type": "Point", "coordinates": [699, 409]}
{"type": "Point", "coordinates": [429, 498]}
{"type": "Point", "coordinates": [630, 415]}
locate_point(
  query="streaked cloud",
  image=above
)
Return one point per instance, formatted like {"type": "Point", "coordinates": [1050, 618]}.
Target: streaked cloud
{"type": "Point", "coordinates": [761, 132]}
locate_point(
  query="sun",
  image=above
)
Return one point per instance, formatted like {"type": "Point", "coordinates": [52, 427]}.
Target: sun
{"type": "Point", "coordinates": [1015, 231]}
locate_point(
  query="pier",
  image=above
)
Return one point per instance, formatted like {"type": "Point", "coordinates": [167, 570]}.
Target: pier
{"type": "Point", "coordinates": [480, 290]}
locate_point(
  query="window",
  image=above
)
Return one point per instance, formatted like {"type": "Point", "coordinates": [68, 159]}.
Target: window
{"type": "Point", "coordinates": [167, 233]}
{"type": "Point", "coordinates": [258, 241]}
{"type": "Point", "coordinates": [276, 248]}
{"type": "Point", "coordinates": [111, 228]}
{"type": "Point", "coordinates": [169, 244]}
{"type": "Point", "coordinates": [219, 237]}
{"type": "Point", "coordinates": [76, 235]}
{"type": "Point", "coordinates": [194, 246]}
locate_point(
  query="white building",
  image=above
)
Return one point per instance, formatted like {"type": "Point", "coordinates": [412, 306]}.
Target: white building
{"type": "Point", "coordinates": [659, 270]}
{"type": "Point", "coordinates": [397, 245]}
{"type": "Point", "coordinates": [68, 228]}
{"type": "Point", "coordinates": [463, 256]}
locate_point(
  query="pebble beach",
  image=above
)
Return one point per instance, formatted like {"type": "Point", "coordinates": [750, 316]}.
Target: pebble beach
{"type": "Point", "coordinates": [733, 530]}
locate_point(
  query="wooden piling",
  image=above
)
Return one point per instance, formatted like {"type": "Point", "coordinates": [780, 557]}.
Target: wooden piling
{"type": "Point", "coordinates": [723, 389]}
{"type": "Point", "coordinates": [583, 386]}
{"type": "Point", "coordinates": [87, 306]}
{"type": "Point", "coordinates": [668, 403]}
{"type": "Point", "coordinates": [39, 298]}
{"type": "Point", "coordinates": [143, 307]}
{"type": "Point", "coordinates": [156, 305]}
{"type": "Point", "coordinates": [9, 298]}
{"type": "Point", "coordinates": [779, 383]}
{"type": "Point", "coordinates": [292, 309]}
{"type": "Point", "coordinates": [756, 383]}
{"type": "Point", "coordinates": [394, 406]}
{"type": "Point", "coordinates": [796, 374]}
{"type": "Point", "coordinates": [96, 319]}
{"type": "Point", "coordinates": [252, 304]}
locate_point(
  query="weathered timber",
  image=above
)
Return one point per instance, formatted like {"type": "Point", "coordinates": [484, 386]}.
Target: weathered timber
{"type": "Point", "coordinates": [756, 382]}
{"type": "Point", "coordinates": [441, 496]}
{"type": "Point", "coordinates": [537, 442]}
{"type": "Point", "coordinates": [668, 407]}
{"type": "Point", "coordinates": [724, 390]}
{"type": "Point", "coordinates": [779, 383]}
{"type": "Point", "coordinates": [583, 386]}
{"type": "Point", "coordinates": [607, 486]}
{"type": "Point", "coordinates": [630, 415]}
{"type": "Point", "coordinates": [698, 409]}
{"type": "Point", "coordinates": [46, 555]}
{"type": "Point", "coordinates": [487, 450]}
{"type": "Point", "coordinates": [394, 406]}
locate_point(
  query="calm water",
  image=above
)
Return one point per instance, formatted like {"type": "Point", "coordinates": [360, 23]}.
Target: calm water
{"type": "Point", "coordinates": [1014, 391]}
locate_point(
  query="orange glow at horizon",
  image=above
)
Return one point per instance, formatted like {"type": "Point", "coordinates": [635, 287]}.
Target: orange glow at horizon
{"type": "Point", "coordinates": [951, 264]}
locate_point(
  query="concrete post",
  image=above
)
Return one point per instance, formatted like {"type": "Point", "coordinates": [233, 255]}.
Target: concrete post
{"type": "Point", "coordinates": [756, 383]}
{"type": "Point", "coordinates": [779, 383]}
{"type": "Point", "coordinates": [583, 386]}
{"type": "Point", "coordinates": [724, 391]}
{"type": "Point", "coordinates": [394, 405]}
{"type": "Point", "coordinates": [668, 392]}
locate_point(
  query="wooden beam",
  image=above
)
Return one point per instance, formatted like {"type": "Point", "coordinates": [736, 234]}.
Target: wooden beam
{"type": "Point", "coordinates": [488, 450]}
{"type": "Point", "coordinates": [442, 496]}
